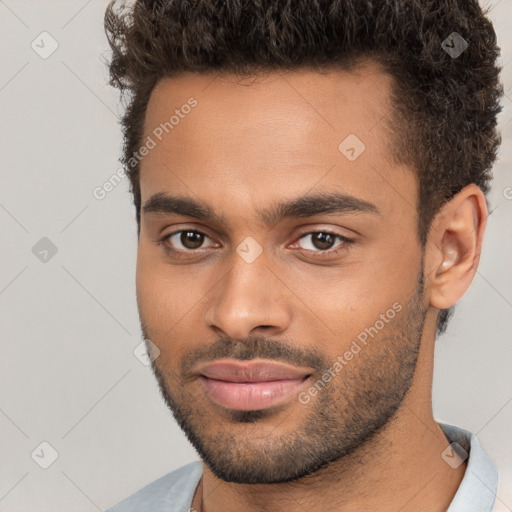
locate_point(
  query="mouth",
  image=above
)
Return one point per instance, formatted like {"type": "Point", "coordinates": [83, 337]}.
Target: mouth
{"type": "Point", "coordinates": [251, 385]}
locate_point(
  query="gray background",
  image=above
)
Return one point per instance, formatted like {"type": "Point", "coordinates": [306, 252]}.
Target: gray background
{"type": "Point", "coordinates": [68, 375]}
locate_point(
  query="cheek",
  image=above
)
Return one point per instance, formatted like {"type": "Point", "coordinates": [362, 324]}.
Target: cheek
{"type": "Point", "coordinates": [169, 297]}
{"type": "Point", "coordinates": [162, 309]}
{"type": "Point", "coordinates": [344, 302]}
{"type": "Point", "coordinates": [157, 292]}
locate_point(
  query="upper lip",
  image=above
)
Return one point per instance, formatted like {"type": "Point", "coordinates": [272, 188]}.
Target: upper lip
{"type": "Point", "coordinates": [251, 371]}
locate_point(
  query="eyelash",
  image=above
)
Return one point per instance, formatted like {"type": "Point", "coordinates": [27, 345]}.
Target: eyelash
{"type": "Point", "coordinates": [181, 254]}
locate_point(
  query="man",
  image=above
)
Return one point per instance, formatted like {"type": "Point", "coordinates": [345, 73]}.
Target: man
{"type": "Point", "coordinates": [309, 179]}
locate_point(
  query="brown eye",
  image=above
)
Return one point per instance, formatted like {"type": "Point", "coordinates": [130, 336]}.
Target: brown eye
{"type": "Point", "coordinates": [191, 239]}
{"type": "Point", "coordinates": [185, 240]}
{"type": "Point", "coordinates": [322, 241]}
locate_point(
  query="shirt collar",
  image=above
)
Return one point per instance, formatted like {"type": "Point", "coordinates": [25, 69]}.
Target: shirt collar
{"type": "Point", "coordinates": [477, 491]}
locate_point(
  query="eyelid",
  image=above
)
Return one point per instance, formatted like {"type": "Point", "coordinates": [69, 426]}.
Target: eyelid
{"type": "Point", "coordinates": [330, 231]}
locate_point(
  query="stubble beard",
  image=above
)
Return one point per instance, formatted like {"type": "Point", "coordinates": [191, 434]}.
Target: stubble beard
{"type": "Point", "coordinates": [350, 410]}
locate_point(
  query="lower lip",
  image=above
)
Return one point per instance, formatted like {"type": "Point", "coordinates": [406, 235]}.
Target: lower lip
{"type": "Point", "coordinates": [250, 396]}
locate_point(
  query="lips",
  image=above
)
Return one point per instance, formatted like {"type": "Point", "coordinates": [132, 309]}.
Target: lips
{"type": "Point", "coordinates": [251, 385]}
{"type": "Point", "coordinates": [251, 371]}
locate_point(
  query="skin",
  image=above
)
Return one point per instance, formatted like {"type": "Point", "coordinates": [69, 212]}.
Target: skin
{"type": "Point", "coordinates": [271, 139]}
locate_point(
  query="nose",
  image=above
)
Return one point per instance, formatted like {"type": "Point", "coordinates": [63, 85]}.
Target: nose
{"type": "Point", "coordinates": [248, 299]}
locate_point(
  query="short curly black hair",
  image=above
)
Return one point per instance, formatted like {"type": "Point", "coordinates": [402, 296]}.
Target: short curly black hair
{"type": "Point", "coordinates": [445, 103]}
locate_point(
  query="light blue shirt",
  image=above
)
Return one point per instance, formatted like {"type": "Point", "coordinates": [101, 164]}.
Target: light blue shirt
{"type": "Point", "coordinates": [174, 491]}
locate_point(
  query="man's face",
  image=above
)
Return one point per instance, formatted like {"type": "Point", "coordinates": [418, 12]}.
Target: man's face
{"type": "Point", "coordinates": [284, 346]}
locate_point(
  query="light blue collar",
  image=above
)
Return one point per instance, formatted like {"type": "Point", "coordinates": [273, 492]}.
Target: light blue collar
{"type": "Point", "coordinates": [477, 491]}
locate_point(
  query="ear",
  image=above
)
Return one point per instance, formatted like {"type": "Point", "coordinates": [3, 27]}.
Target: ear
{"type": "Point", "coordinates": [454, 245]}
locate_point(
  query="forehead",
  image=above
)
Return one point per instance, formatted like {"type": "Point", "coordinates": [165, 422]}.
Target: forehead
{"type": "Point", "coordinates": [260, 138]}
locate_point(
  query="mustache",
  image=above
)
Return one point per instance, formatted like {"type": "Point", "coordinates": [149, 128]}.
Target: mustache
{"type": "Point", "coordinates": [253, 348]}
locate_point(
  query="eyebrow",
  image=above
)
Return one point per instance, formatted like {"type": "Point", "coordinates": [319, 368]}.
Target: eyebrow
{"type": "Point", "coordinates": [302, 207]}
